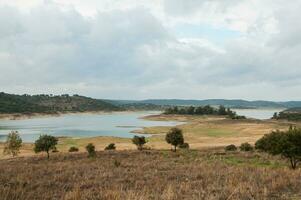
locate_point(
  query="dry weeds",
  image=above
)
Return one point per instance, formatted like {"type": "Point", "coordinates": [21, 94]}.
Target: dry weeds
{"type": "Point", "coordinates": [146, 175]}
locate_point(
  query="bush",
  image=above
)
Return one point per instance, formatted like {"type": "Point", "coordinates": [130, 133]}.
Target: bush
{"type": "Point", "coordinates": [231, 147]}
{"type": "Point", "coordinates": [110, 147]}
{"type": "Point", "coordinates": [45, 143]}
{"type": "Point", "coordinates": [91, 150]}
{"type": "Point", "coordinates": [13, 144]}
{"type": "Point", "coordinates": [246, 147]}
{"type": "Point", "coordinates": [184, 146]}
{"type": "Point", "coordinates": [285, 143]}
{"type": "Point", "coordinates": [73, 149]}
{"type": "Point", "coordinates": [174, 137]}
{"type": "Point", "coordinates": [139, 141]}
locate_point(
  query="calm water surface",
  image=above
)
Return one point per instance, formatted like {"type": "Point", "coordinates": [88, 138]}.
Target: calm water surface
{"type": "Point", "coordinates": [81, 125]}
{"type": "Point", "coordinates": [90, 125]}
{"type": "Point", "coordinates": [257, 113]}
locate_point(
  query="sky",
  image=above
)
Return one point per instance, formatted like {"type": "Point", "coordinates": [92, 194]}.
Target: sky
{"type": "Point", "coordinates": [142, 49]}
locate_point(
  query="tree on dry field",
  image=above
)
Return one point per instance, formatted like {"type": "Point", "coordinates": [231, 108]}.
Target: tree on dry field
{"type": "Point", "coordinates": [13, 144]}
{"type": "Point", "coordinates": [175, 137]}
{"type": "Point", "coordinates": [45, 143]}
{"type": "Point", "coordinates": [285, 143]}
{"type": "Point", "coordinates": [91, 150]}
{"type": "Point", "coordinates": [139, 141]}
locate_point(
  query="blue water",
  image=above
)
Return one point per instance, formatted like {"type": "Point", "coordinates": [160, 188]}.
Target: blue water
{"type": "Point", "coordinates": [81, 125]}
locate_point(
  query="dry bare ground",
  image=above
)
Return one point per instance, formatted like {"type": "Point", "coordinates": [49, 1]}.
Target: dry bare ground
{"type": "Point", "coordinates": [132, 175]}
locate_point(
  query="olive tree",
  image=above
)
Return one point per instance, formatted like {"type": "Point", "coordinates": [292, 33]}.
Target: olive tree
{"type": "Point", "coordinates": [45, 143]}
{"type": "Point", "coordinates": [13, 144]}
{"type": "Point", "coordinates": [284, 143]}
{"type": "Point", "coordinates": [139, 141]}
{"type": "Point", "coordinates": [175, 137]}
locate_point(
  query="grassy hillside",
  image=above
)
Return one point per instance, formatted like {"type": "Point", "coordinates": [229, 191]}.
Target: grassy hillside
{"type": "Point", "coordinates": [133, 175]}
{"type": "Point", "coordinates": [10, 103]}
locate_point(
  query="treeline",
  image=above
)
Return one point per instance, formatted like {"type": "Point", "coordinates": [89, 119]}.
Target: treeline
{"type": "Point", "coordinates": [10, 103]}
{"type": "Point", "coordinates": [290, 116]}
{"type": "Point", "coordinates": [203, 110]}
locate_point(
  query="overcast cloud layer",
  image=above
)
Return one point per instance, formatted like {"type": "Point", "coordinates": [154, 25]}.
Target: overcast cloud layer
{"type": "Point", "coordinates": [138, 49]}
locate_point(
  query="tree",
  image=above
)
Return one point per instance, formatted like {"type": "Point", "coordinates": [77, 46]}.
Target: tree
{"type": "Point", "coordinates": [139, 141]}
{"type": "Point", "coordinates": [45, 143]}
{"type": "Point", "coordinates": [246, 147]}
{"type": "Point", "coordinates": [13, 143]}
{"type": "Point", "coordinates": [174, 137]}
{"type": "Point", "coordinates": [222, 110]}
{"type": "Point", "coordinates": [231, 147]}
{"type": "Point", "coordinates": [91, 150]}
{"type": "Point", "coordinates": [73, 149]}
{"type": "Point", "coordinates": [110, 147]}
{"type": "Point", "coordinates": [285, 143]}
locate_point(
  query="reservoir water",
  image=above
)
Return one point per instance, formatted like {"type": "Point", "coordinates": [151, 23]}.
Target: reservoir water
{"type": "Point", "coordinates": [81, 125]}
{"type": "Point", "coordinates": [91, 125]}
{"type": "Point", "coordinates": [257, 113]}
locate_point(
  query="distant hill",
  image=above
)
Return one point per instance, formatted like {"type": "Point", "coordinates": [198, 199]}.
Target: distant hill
{"type": "Point", "coordinates": [10, 103]}
{"type": "Point", "coordinates": [237, 103]}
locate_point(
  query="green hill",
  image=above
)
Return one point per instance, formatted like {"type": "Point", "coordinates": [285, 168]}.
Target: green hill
{"type": "Point", "coordinates": [10, 103]}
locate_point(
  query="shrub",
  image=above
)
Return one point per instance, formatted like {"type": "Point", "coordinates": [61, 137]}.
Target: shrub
{"type": "Point", "coordinates": [91, 150]}
{"type": "Point", "coordinates": [174, 137]}
{"type": "Point", "coordinates": [73, 149]}
{"type": "Point", "coordinates": [45, 143]}
{"type": "Point", "coordinates": [13, 144]}
{"type": "Point", "coordinates": [231, 147]}
{"type": "Point", "coordinates": [285, 143]}
{"type": "Point", "coordinates": [139, 141]}
{"type": "Point", "coordinates": [246, 147]}
{"type": "Point", "coordinates": [110, 147]}
{"type": "Point", "coordinates": [184, 146]}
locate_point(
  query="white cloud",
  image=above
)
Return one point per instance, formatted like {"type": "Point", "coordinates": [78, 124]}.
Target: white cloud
{"type": "Point", "coordinates": [129, 49]}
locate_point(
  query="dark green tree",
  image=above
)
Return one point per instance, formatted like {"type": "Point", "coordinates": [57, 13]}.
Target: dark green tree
{"type": "Point", "coordinates": [45, 143]}
{"type": "Point", "coordinates": [91, 150]}
{"type": "Point", "coordinates": [13, 144]}
{"type": "Point", "coordinates": [222, 110]}
{"type": "Point", "coordinates": [285, 143]}
{"type": "Point", "coordinates": [139, 141]}
{"type": "Point", "coordinates": [175, 137]}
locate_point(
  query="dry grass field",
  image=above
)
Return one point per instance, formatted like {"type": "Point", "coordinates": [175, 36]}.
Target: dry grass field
{"type": "Point", "coordinates": [156, 174]}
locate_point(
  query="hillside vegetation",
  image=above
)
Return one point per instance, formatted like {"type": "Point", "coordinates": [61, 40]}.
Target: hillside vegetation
{"type": "Point", "coordinates": [235, 103]}
{"type": "Point", "coordinates": [133, 175]}
{"type": "Point", "coordinates": [10, 103]}
{"type": "Point", "coordinates": [291, 114]}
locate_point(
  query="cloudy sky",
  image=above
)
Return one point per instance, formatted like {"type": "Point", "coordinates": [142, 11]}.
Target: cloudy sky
{"type": "Point", "coordinates": [138, 49]}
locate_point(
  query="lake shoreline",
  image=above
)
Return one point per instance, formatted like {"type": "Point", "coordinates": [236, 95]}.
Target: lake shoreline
{"type": "Point", "coordinates": [22, 116]}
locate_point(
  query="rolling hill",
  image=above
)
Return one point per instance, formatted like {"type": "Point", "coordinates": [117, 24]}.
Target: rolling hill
{"type": "Point", "coordinates": [11, 103]}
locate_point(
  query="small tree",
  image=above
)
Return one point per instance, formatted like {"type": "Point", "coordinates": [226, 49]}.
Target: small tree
{"type": "Point", "coordinates": [13, 144]}
{"type": "Point", "coordinates": [73, 149]}
{"type": "Point", "coordinates": [285, 143]}
{"type": "Point", "coordinates": [110, 147]}
{"type": "Point", "coordinates": [246, 147]}
{"type": "Point", "coordinates": [174, 137]}
{"type": "Point", "coordinates": [139, 141]}
{"type": "Point", "coordinates": [45, 143]}
{"type": "Point", "coordinates": [231, 147]}
{"type": "Point", "coordinates": [91, 150]}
